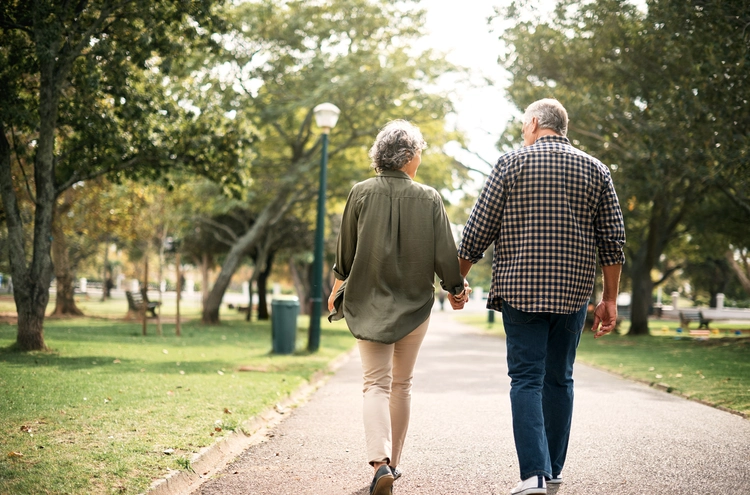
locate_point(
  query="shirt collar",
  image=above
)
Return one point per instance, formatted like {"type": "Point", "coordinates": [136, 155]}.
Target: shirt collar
{"type": "Point", "coordinates": [553, 139]}
{"type": "Point", "coordinates": [399, 174]}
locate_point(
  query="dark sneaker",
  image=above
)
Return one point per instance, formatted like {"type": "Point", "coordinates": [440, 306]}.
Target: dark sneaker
{"type": "Point", "coordinates": [396, 472]}
{"type": "Point", "coordinates": [531, 486]}
{"type": "Point", "coordinates": [382, 483]}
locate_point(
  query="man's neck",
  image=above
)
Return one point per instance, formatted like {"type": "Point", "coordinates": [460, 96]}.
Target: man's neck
{"type": "Point", "coordinates": [546, 132]}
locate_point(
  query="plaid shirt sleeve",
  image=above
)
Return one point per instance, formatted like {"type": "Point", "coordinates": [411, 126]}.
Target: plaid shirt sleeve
{"type": "Point", "coordinates": [609, 227]}
{"type": "Point", "coordinates": [483, 226]}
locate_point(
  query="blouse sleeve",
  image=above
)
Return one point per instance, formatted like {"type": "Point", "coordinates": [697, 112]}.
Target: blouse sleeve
{"type": "Point", "coordinates": [347, 242]}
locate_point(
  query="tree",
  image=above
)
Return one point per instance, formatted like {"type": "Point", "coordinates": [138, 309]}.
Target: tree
{"type": "Point", "coordinates": [636, 90]}
{"type": "Point", "coordinates": [60, 62]}
{"type": "Point", "coordinates": [291, 56]}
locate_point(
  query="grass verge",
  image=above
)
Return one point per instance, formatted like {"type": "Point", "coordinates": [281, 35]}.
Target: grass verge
{"type": "Point", "coordinates": [713, 370]}
{"type": "Point", "coordinates": [108, 410]}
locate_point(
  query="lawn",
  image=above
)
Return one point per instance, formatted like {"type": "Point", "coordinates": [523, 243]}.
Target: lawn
{"type": "Point", "coordinates": [714, 370]}
{"type": "Point", "coordinates": [97, 413]}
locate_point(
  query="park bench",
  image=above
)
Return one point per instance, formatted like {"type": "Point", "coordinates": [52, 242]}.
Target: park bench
{"type": "Point", "coordinates": [693, 315]}
{"type": "Point", "coordinates": [239, 308]}
{"type": "Point", "coordinates": [136, 301]}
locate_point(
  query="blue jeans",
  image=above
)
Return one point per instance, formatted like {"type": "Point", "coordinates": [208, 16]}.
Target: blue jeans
{"type": "Point", "coordinates": [541, 351]}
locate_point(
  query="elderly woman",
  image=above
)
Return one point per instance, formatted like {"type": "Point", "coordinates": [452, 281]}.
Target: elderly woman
{"type": "Point", "coordinates": [395, 236]}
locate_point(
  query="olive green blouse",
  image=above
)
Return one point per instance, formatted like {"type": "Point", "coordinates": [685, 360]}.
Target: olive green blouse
{"type": "Point", "coordinates": [395, 236]}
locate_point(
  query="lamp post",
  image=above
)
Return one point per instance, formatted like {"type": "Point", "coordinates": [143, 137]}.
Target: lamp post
{"type": "Point", "coordinates": [326, 116]}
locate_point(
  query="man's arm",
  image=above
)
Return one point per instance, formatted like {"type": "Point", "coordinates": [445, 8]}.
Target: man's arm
{"type": "Point", "coordinates": [606, 311]}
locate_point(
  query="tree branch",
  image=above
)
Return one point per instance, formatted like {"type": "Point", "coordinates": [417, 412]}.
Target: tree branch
{"type": "Point", "coordinates": [596, 136]}
{"type": "Point", "coordinates": [666, 274]}
{"type": "Point", "coordinates": [742, 276]}
{"type": "Point", "coordinates": [77, 176]}
{"type": "Point", "coordinates": [13, 221]}
{"type": "Point", "coordinates": [23, 171]}
{"type": "Point", "coordinates": [219, 226]}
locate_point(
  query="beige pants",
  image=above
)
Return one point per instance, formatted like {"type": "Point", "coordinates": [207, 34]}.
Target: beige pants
{"type": "Point", "coordinates": [388, 370]}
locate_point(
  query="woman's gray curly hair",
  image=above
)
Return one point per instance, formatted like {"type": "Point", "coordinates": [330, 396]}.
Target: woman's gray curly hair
{"type": "Point", "coordinates": [396, 145]}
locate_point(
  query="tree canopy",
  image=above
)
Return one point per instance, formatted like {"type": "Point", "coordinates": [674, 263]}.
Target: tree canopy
{"type": "Point", "coordinates": [659, 94]}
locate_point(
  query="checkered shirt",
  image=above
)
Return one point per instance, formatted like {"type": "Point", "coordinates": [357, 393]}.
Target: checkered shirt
{"type": "Point", "coordinates": [549, 208]}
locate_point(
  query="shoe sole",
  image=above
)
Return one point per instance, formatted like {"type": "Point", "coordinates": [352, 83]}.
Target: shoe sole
{"type": "Point", "coordinates": [383, 486]}
{"type": "Point", "coordinates": [531, 491]}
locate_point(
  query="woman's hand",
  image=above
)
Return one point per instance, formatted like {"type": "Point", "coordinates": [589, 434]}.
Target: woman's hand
{"type": "Point", "coordinates": [459, 300]}
{"type": "Point", "coordinates": [334, 290]}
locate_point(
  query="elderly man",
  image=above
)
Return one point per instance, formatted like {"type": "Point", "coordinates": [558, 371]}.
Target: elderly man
{"type": "Point", "coordinates": [549, 208]}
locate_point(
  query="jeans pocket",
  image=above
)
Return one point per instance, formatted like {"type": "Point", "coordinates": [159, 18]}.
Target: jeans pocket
{"type": "Point", "coordinates": [574, 321]}
{"type": "Point", "coordinates": [513, 315]}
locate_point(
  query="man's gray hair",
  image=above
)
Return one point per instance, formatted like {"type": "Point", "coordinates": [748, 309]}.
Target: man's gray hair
{"type": "Point", "coordinates": [396, 145]}
{"type": "Point", "coordinates": [549, 113]}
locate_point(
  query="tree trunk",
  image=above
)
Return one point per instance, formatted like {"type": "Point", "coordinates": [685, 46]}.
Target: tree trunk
{"type": "Point", "coordinates": [204, 279]}
{"type": "Point", "coordinates": [640, 301]}
{"type": "Point", "coordinates": [106, 273]}
{"type": "Point", "coordinates": [65, 303]}
{"type": "Point", "coordinates": [249, 314]}
{"type": "Point", "coordinates": [301, 286]}
{"type": "Point", "coordinates": [31, 317]}
{"type": "Point", "coordinates": [742, 275]}
{"type": "Point", "coordinates": [31, 281]}
{"type": "Point", "coordinates": [263, 288]}
{"type": "Point", "coordinates": [270, 214]}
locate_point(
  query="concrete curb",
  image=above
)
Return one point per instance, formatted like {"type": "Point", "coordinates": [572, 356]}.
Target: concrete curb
{"type": "Point", "coordinates": [212, 459]}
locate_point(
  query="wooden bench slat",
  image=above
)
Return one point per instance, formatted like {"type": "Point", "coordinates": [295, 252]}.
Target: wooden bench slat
{"type": "Point", "coordinates": [135, 303]}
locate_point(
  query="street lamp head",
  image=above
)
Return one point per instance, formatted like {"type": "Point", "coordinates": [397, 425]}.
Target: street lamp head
{"type": "Point", "coordinates": [326, 116]}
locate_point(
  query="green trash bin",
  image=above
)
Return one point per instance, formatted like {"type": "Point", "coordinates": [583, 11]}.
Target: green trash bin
{"type": "Point", "coordinates": [284, 311]}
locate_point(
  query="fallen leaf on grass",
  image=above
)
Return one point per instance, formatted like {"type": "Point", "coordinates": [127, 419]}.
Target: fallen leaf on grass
{"type": "Point", "coordinates": [14, 455]}
{"type": "Point", "coordinates": [261, 369]}
{"type": "Point", "coordinates": [169, 451]}
{"type": "Point", "coordinates": [25, 428]}
{"type": "Point", "coordinates": [227, 411]}
{"type": "Point", "coordinates": [217, 428]}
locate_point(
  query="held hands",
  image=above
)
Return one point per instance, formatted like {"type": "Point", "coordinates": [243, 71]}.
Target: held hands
{"type": "Point", "coordinates": [459, 300]}
{"type": "Point", "coordinates": [605, 315]}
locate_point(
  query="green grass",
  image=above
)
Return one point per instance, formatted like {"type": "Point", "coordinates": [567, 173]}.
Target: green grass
{"type": "Point", "coordinates": [111, 308]}
{"type": "Point", "coordinates": [95, 414]}
{"type": "Point", "coordinates": [715, 370]}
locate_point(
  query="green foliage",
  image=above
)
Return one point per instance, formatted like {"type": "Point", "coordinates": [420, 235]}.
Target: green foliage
{"type": "Point", "coordinates": [288, 57]}
{"type": "Point", "coordinates": [647, 93]}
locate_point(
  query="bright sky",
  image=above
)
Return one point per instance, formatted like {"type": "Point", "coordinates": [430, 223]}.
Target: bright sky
{"type": "Point", "coordinates": [481, 112]}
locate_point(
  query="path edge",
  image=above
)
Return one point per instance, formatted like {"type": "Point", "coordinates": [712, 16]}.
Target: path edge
{"type": "Point", "coordinates": [212, 459]}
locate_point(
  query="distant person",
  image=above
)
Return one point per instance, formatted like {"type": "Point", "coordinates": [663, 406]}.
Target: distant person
{"type": "Point", "coordinates": [550, 209]}
{"type": "Point", "coordinates": [395, 237]}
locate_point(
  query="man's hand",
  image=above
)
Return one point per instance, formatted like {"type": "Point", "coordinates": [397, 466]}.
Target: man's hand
{"type": "Point", "coordinates": [605, 315]}
{"type": "Point", "coordinates": [459, 300]}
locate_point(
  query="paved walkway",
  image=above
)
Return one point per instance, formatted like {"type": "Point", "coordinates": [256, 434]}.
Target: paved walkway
{"type": "Point", "coordinates": [627, 438]}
